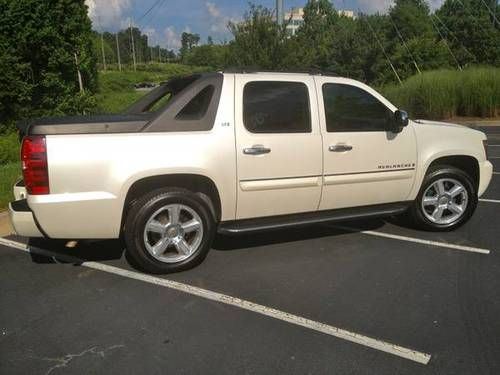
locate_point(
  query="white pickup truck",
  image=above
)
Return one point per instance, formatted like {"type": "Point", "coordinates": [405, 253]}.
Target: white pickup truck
{"type": "Point", "coordinates": [240, 152]}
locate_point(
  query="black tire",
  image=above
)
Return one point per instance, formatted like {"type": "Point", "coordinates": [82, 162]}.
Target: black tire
{"type": "Point", "coordinates": [141, 212]}
{"type": "Point", "coordinates": [435, 173]}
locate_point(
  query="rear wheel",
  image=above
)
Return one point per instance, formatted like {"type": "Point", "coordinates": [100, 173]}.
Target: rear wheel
{"type": "Point", "coordinates": [446, 200]}
{"type": "Point", "coordinates": [169, 230]}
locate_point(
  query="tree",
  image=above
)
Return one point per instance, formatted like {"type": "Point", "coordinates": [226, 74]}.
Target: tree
{"type": "Point", "coordinates": [259, 41]}
{"type": "Point", "coordinates": [471, 30]}
{"type": "Point", "coordinates": [188, 41]}
{"type": "Point", "coordinates": [317, 33]}
{"type": "Point", "coordinates": [414, 43]}
{"type": "Point", "coordinates": [39, 40]}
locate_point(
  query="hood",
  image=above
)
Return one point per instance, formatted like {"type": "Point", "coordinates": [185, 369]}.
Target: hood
{"type": "Point", "coordinates": [439, 123]}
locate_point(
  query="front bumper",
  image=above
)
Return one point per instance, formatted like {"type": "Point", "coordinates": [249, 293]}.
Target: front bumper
{"type": "Point", "coordinates": [22, 219]}
{"type": "Point", "coordinates": [485, 174]}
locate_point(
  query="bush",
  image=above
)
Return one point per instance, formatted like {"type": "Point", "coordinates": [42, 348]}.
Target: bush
{"type": "Point", "coordinates": [441, 94]}
{"type": "Point", "coordinates": [9, 148]}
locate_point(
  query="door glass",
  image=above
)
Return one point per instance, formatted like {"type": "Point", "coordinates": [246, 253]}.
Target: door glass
{"type": "Point", "coordinates": [350, 109]}
{"type": "Point", "coordinates": [276, 107]}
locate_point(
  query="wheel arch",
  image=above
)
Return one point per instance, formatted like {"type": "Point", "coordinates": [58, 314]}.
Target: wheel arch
{"type": "Point", "coordinates": [467, 163]}
{"type": "Point", "coordinates": [197, 183]}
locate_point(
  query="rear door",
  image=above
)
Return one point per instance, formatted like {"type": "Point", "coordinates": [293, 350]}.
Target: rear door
{"type": "Point", "coordinates": [278, 145]}
{"type": "Point", "coordinates": [364, 164]}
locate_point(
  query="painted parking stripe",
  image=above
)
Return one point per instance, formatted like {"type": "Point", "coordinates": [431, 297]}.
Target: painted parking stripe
{"type": "Point", "coordinates": [496, 172]}
{"type": "Point", "coordinates": [415, 240]}
{"type": "Point", "coordinates": [489, 200]}
{"type": "Point", "coordinates": [380, 345]}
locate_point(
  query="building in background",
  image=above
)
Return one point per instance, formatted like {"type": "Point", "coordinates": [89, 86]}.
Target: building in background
{"type": "Point", "coordinates": [295, 17]}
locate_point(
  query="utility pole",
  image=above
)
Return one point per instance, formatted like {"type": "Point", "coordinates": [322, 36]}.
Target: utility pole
{"type": "Point", "coordinates": [280, 16]}
{"type": "Point", "coordinates": [80, 82]}
{"type": "Point", "coordinates": [133, 46]}
{"type": "Point", "coordinates": [118, 52]}
{"type": "Point", "coordinates": [159, 53]}
{"type": "Point", "coordinates": [102, 48]}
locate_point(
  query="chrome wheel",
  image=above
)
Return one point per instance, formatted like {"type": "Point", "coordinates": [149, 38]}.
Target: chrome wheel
{"type": "Point", "coordinates": [173, 233]}
{"type": "Point", "coordinates": [445, 201]}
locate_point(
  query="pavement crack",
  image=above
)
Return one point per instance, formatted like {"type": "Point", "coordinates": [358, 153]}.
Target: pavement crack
{"type": "Point", "coordinates": [66, 360]}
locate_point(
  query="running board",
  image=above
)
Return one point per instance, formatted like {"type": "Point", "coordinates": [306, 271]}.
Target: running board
{"type": "Point", "coordinates": [309, 218]}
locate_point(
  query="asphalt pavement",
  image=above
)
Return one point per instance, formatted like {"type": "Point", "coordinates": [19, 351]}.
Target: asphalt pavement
{"type": "Point", "coordinates": [366, 297]}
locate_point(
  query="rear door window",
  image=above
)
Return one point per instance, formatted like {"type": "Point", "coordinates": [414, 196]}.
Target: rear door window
{"type": "Point", "coordinates": [276, 107]}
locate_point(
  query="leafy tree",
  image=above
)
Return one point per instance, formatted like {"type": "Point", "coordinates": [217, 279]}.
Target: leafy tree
{"type": "Point", "coordinates": [210, 55]}
{"type": "Point", "coordinates": [188, 41]}
{"type": "Point", "coordinates": [471, 30]}
{"type": "Point", "coordinates": [39, 40]}
{"type": "Point", "coordinates": [317, 33]}
{"type": "Point", "coordinates": [258, 41]}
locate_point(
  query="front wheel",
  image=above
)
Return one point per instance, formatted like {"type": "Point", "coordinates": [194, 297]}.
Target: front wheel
{"type": "Point", "coordinates": [169, 230]}
{"type": "Point", "coordinates": [446, 200]}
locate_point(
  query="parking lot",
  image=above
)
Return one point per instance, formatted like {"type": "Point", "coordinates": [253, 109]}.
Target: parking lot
{"type": "Point", "coordinates": [370, 297]}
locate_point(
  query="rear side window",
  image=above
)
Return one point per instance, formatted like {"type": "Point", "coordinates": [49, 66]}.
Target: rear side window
{"type": "Point", "coordinates": [276, 107]}
{"type": "Point", "coordinates": [198, 106]}
{"type": "Point", "coordinates": [350, 108]}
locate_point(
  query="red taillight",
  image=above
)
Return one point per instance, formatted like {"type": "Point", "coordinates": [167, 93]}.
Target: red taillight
{"type": "Point", "coordinates": [35, 167]}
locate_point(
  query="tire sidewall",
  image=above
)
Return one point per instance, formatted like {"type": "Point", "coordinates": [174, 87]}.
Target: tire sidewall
{"type": "Point", "coordinates": [141, 213]}
{"type": "Point", "coordinates": [451, 173]}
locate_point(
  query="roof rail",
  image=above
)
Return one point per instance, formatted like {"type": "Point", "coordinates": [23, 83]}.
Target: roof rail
{"type": "Point", "coordinates": [248, 70]}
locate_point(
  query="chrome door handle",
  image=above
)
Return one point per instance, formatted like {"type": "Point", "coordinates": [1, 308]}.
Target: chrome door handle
{"type": "Point", "coordinates": [256, 150]}
{"type": "Point", "coordinates": [340, 147]}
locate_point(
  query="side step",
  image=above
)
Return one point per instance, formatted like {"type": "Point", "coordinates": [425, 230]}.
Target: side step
{"type": "Point", "coordinates": [309, 218]}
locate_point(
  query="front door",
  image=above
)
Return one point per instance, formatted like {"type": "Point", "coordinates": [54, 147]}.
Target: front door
{"type": "Point", "coordinates": [364, 163]}
{"type": "Point", "coordinates": [278, 146]}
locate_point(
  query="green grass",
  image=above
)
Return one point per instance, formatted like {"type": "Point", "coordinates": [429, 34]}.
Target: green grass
{"type": "Point", "coordinates": [441, 94]}
{"type": "Point", "coordinates": [116, 89]}
{"type": "Point", "coordinates": [9, 174]}
{"type": "Point", "coordinates": [9, 147]}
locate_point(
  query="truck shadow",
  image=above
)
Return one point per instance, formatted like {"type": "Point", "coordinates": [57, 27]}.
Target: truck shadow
{"type": "Point", "coordinates": [107, 250]}
{"type": "Point", "coordinates": [230, 243]}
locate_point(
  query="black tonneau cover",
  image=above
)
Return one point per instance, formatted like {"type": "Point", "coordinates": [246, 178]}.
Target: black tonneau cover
{"type": "Point", "coordinates": [120, 123]}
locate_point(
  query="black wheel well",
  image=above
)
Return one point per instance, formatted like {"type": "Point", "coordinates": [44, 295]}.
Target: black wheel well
{"type": "Point", "coordinates": [466, 163]}
{"type": "Point", "coordinates": [196, 183]}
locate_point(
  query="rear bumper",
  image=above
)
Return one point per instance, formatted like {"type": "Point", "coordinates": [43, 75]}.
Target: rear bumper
{"type": "Point", "coordinates": [485, 174]}
{"type": "Point", "coordinates": [22, 219]}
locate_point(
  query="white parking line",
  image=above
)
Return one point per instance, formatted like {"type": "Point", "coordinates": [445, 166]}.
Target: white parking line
{"type": "Point", "coordinates": [493, 145]}
{"type": "Point", "coordinates": [416, 240]}
{"type": "Point", "coordinates": [496, 172]}
{"type": "Point", "coordinates": [493, 157]}
{"type": "Point", "coordinates": [383, 346]}
{"type": "Point", "coordinates": [489, 200]}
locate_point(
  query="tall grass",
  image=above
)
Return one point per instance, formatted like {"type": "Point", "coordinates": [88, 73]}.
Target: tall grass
{"type": "Point", "coordinates": [441, 94]}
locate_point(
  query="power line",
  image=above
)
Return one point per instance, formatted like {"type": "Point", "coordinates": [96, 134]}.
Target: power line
{"type": "Point", "coordinates": [383, 49]}
{"type": "Point", "coordinates": [473, 17]}
{"type": "Point", "coordinates": [495, 20]}
{"type": "Point", "coordinates": [452, 34]}
{"type": "Point", "coordinates": [149, 10]}
{"type": "Point", "coordinates": [446, 43]}
{"type": "Point", "coordinates": [404, 43]}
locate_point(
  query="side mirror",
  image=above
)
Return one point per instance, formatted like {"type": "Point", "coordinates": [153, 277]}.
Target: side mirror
{"type": "Point", "coordinates": [399, 121]}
